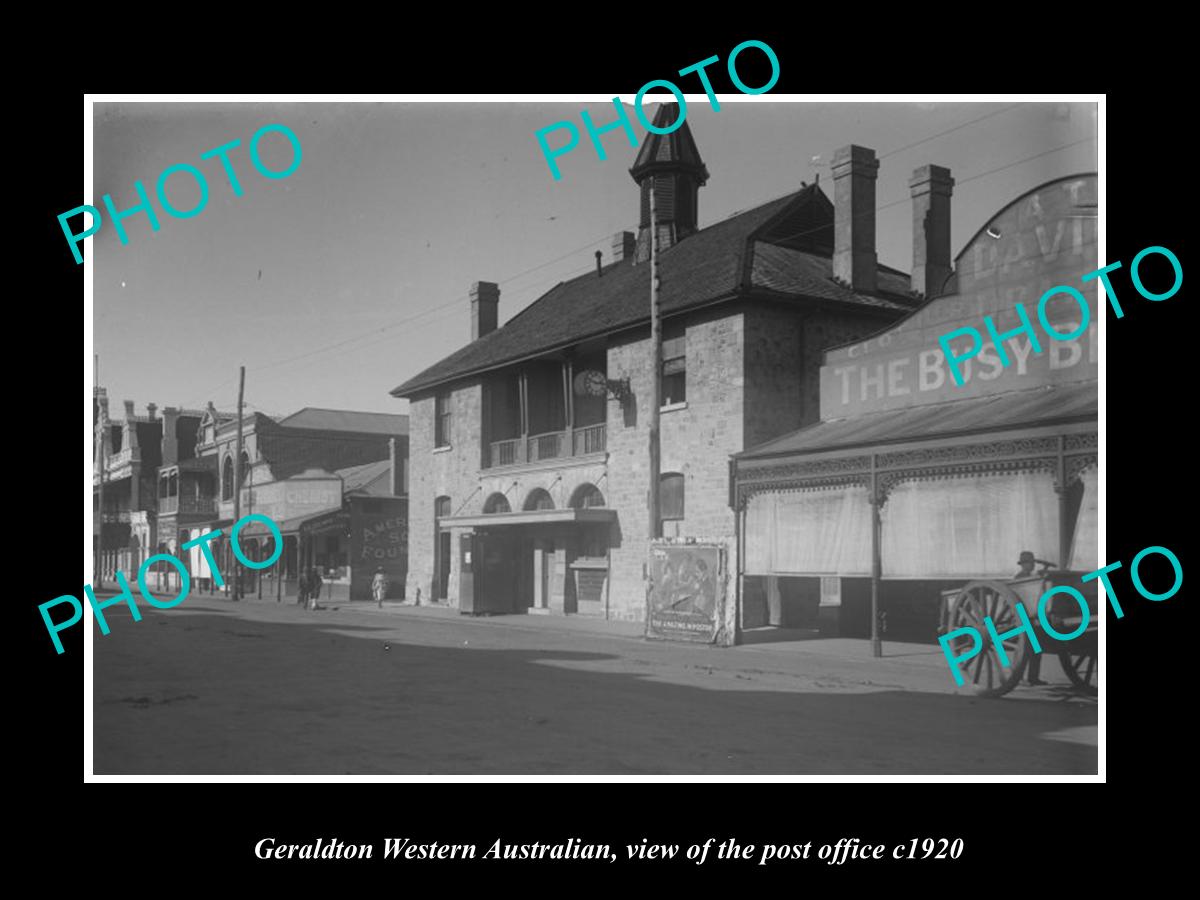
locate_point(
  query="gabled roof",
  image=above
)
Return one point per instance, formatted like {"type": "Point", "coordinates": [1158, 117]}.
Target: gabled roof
{"type": "Point", "coordinates": [320, 419]}
{"type": "Point", "coordinates": [711, 265]}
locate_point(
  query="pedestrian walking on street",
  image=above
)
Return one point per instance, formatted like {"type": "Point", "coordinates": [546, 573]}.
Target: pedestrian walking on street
{"type": "Point", "coordinates": [302, 597]}
{"type": "Point", "coordinates": [379, 586]}
{"type": "Point", "coordinates": [314, 587]}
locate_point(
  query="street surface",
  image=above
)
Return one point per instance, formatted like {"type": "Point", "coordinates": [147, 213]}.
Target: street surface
{"type": "Point", "coordinates": [214, 687]}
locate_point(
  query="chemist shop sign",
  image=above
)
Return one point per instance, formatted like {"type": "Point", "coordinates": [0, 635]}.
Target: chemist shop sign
{"type": "Point", "coordinates": [1046, 237]}
{"type": "Point", "coordinates": [282, 500]}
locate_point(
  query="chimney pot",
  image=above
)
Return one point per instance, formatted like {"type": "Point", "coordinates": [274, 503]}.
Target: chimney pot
{"type": "Point", "coordinates": [931, 189]}
{"type": "Point", "coordinates": [624, 246]}
{"type": "Point", "coordinates": [129, 413]}
{"type": "Point", "coordinates": [485, 308]}
{"type": "Point", "coordinates": [170, 439]}
{"type": "Point", "coordinates": [854, 172]}
{"type": "Point", "coordinates": [151, 409]}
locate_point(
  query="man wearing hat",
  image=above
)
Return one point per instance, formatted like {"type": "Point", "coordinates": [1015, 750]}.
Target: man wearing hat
{"type": "Point", "coordinates": [379, 586]}
{"type": "Point", "coordinates": [1027, 561]}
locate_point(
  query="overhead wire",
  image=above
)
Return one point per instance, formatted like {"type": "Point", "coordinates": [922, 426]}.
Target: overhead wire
{"type": "Point", "coordinates": [377, 335]}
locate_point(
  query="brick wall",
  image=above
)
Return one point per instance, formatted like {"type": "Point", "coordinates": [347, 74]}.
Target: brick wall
{"type": "Point", "coordinates": [744, 386]}
{"type": "Point", "coordinates": [696, 441]}
{"type": "Point", "coordinates": [783, 360]}
{"type": "Point", "coordinates": [452, 473]}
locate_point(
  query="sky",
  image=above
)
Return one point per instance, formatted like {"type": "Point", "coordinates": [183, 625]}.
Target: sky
{"type": "Point", "coordinates": [336, 284]}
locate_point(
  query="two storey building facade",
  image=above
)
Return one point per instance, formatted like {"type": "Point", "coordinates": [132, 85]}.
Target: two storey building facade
{"type": "Point", "coordinates": [529, 446]}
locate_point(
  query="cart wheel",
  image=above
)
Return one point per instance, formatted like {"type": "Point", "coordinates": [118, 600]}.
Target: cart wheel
{"type": "Point", "coordinates": [984, 674]}
{"type": "Point", "coordinates": [1080, 668]}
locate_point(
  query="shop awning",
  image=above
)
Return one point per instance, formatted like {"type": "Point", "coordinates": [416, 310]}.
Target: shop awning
{"type": "Point", "coordinates": [532, 517]}
{"type": "Point", "coordinates": [287, 526]}
{"type": "Point", "coordinates": [1020, 409]}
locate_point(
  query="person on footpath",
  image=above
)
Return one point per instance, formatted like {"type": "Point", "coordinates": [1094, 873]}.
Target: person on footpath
{"type": "Point", "coordinates": [314, 588]}
{"type": "Point", "coordinates": [302, 596]}
{"type": "Point", "coordinates": [379, 586]}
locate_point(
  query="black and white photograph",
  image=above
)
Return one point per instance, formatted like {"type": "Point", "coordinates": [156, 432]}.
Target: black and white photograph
{"type": "Point", "coordinates": [489, 437]}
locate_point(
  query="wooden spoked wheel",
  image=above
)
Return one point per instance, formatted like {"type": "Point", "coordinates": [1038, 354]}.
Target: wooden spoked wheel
{"type": "Point", "coordinates": [1080, 668]}
{"type": "Point", "coordinates": [985, 674]}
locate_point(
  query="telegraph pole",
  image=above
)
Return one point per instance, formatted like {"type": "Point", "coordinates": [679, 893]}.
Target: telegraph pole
{"type": "Point", "coordinates": [656, 374]}
{"type": "Point", "coordinates": [237, 482]}
{"type": "Point", "coordinates": [97, 566]}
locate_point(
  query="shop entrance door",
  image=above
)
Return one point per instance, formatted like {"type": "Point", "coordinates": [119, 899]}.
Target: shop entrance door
{"type": "Point", "coordinates": [443, 566]}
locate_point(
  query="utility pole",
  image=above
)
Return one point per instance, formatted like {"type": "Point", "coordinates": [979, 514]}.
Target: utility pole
{"type": "Point", "coordinates": [237, 482]}
{"type": "Point", "coordinates": [97, 566]}
{"type": "Point", "coordinates": [656, 374]}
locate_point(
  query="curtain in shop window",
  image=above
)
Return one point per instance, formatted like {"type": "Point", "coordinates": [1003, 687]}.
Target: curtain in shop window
{"type": "Point", "coordinates": [967, 527]}
{"type": "Point", "coordinates": [822, 532]}
{"type": "Point", "coordinates": [1085, 545]}
{"type": "Point", "coordinates": [198, 562]}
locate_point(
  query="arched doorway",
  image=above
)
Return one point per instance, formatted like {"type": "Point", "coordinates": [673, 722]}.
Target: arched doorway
{"type": "Point", "coordinates": [442, 548]}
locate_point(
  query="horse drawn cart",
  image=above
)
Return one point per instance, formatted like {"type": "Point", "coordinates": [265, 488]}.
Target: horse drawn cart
{"type": "Point", "coordinates": [985, 673]}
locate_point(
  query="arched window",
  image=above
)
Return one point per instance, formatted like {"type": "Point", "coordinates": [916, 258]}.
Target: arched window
{"type": "Point", "coordinates": [539, 498]}
{"type": "Point", "coordinates": [670, 496]}
{"type": "Point", "coordinates": [587, 496]}
{"type": "Point", "coordinates": [227, 479]}
{"type": "Point", "coordinates": [245, 467]}
{"type": "Point", "coordinates": [496, 503]}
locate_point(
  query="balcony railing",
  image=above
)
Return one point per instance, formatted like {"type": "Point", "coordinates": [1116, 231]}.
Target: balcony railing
{"type": "Point", "coordinates": [551, 445]}
{"type": "Point", "coordinates": [188, 506]}
{"type": "Point", "coordinates": [589, 439]}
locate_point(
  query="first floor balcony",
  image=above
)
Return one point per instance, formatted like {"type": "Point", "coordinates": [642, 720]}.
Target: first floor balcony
{"type": "Point", "coordinates": [550, 445]}
{"type": "Point", "coordinates": [187, 506]}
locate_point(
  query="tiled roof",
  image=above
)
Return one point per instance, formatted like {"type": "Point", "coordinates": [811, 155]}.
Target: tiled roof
{"type": "Point", "coordinates": [346, 420]}
{"type": "Point", "coordinates": [796, 272]}
{"type": "Point", "coordinates": [708, 266]}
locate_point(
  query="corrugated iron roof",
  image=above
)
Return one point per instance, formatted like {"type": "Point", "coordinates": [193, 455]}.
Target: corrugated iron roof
{"type": "Point", "coordinates": [321, 419]}
{"type": "Point", "coordinates": [1042, 406]}
{"type": "Point", "coordinates": [371, 478]}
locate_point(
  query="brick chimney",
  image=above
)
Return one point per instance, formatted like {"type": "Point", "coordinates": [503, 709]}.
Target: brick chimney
{"type": "Point", "coordinates": [485, 308]}
{"type": "Point", "coordinates": [170, 442]}
{"type": "Point", "coordinates": [854, 171]}
{"type": "Point", "coordinates": [151, 409]}
{"type": "Point", "coordinates": [624, 246]}
{"type": "Point", "coordinates": [931, 189]}
{"type": "Point", "coordinates": [129, 413]}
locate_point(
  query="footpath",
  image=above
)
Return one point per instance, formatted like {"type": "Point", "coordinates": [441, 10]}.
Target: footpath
{"type": "Point", "coordinates": [788, 657]}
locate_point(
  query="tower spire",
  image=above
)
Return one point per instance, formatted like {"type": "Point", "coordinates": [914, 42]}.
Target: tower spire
{"type": "Point", "coordinates": [670, 165]}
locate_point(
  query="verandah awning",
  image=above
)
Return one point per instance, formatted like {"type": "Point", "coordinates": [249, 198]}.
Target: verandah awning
{"type": "Point", "coordinates": [532, 517]}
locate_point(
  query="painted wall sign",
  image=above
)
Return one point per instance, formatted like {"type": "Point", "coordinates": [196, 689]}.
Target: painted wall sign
{"type": "Point", "coordinates": [282, 500]}
{"type": "Point", "coordinates": [1044, 238]}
